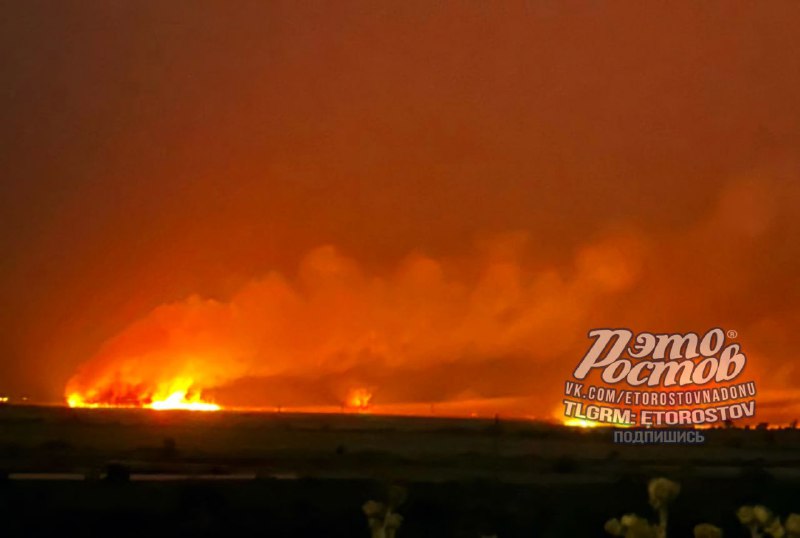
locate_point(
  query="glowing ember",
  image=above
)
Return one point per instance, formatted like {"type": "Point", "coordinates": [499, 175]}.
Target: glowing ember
{"type": "Point", "coordinates": [359, 399]}
{"type": "Point", "coordinates": [179, 394]}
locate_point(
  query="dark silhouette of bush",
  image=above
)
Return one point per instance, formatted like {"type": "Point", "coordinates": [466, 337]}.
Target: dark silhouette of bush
{"type": "Point", "coordinates": [565, 465]}
{"type": "Point", "coordinates": [169, 448]}
{"type": "Point", "coordinates": [117, 473]}
{"type": "Point", "coordinates": [56, 445]}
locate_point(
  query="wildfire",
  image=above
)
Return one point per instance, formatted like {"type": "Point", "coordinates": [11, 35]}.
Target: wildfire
{"type": "Point", "coordinates": [179, 400]}
{"type": "Point", "coordinates": [179, 394]}
{"type": "Point", "coordinates": [580, 423]}
{"type": "Point", "coordinates": [359, 399]}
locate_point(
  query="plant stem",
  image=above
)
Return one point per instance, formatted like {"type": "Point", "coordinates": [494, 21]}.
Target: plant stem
{"type": "Point", "coordinates": [662, 522]}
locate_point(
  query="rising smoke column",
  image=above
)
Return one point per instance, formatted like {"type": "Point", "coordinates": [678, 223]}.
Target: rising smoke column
{"type": "Point", "coordinates": [499, 323]}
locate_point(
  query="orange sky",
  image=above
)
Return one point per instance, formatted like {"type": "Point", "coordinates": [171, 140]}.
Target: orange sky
{"type": "Point", "coordinates": [529, 170]}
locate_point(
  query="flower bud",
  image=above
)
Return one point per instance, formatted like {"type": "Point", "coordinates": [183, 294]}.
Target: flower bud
{"type": "Point", "coordinates": [706, 530]}
{"type": "Point", "coordinates": [662, 491]}
{"type": "Point", "coordinates": [775, 529]}
{"type": "Point", "coordinates": [746, 515]}
{"type": "Point", "coordinates": [613, 527]}
{"type": "Point", "coordinates": [792, 524]}
{"type": "Point", "coordinates": [762, 514]}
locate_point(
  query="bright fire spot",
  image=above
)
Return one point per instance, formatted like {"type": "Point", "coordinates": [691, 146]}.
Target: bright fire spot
{"type": "Point", "coordinates": [359, 399]}
{"type": "Point", "coordinates": [178, 400]}
{"type": "Point", "coordinates": [179, 394]}
{"type": "Point", "coordinates": [580, 423]}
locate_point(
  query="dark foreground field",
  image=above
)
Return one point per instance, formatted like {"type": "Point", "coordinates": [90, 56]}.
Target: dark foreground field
{"type": "Point", "coordinates": [139, 473]}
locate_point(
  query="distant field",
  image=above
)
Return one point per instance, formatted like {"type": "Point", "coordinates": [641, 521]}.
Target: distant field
{"type": "Point", "coordinates": [42, 439]}
{"type": "Point", "coordinates": [296, 474]}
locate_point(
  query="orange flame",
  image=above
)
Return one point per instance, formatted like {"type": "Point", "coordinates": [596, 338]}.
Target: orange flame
{"type": "Point", "coordinates": [580, 423]}
{"type": "Point", "coordinates": [359, 399]}
{"type": "Point", "coordinates": [179, 394]}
